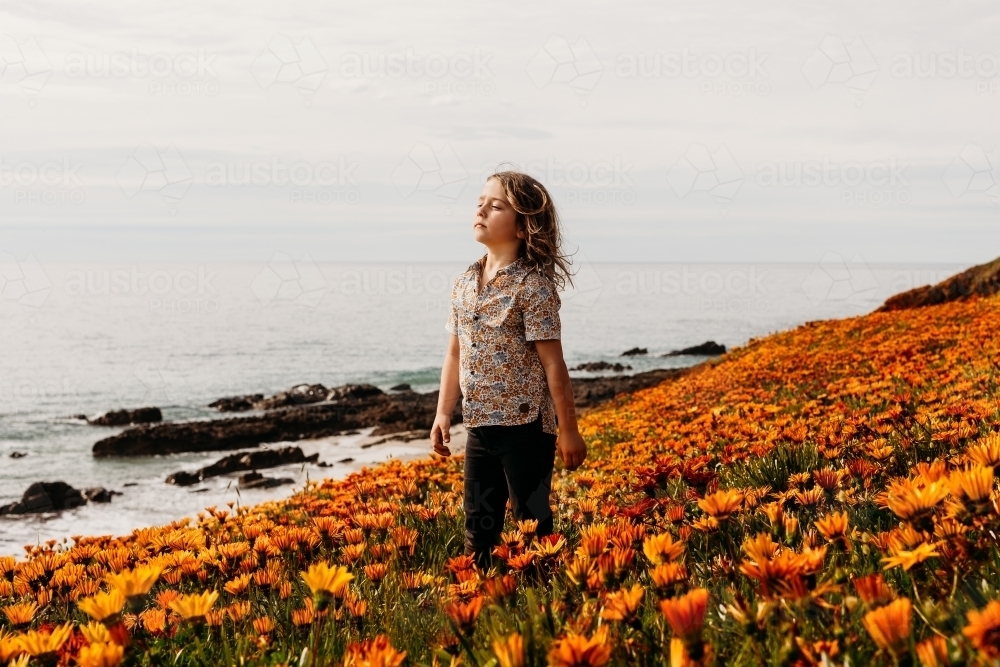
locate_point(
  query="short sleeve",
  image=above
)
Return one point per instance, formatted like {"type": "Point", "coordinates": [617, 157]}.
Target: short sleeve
{"type": "Point", "coordinates": [451, 326]}
{"type": "Point", "coordinates": [540, 309]}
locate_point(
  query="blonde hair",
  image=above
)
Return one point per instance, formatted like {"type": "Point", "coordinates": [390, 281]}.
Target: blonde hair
{"type": "Point", "coordinates": [537, 217]}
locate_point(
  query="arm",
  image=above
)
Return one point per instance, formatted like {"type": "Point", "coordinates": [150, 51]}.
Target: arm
{"type": "Point", "coordinates": [448, 396]}
{"type": "Point", "coordinates": [570, 443]}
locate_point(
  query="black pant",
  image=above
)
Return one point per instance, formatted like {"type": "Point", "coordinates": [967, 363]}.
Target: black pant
{"type": "Point", "coordinates": [504, 462]}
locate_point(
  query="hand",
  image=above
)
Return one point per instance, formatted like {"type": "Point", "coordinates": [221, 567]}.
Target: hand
{"type": "Point", "coordinates": [572, 449]}
{"type": "Point", "coordinates": [441, 434]}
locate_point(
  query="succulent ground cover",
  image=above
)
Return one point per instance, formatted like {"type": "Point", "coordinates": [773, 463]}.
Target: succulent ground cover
{"type": "Point", "coordinates": [825, 495]}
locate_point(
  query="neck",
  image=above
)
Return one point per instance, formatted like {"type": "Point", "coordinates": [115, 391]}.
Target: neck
{"type": "Point", "coordinates": [497, 258]}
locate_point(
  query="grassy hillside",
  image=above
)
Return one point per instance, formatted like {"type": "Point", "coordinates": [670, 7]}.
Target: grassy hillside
{"type": "Point", "coordinates": [824, 494]}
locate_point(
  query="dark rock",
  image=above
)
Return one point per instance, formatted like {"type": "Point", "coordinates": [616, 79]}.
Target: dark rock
{"type": "Point", "coordinates": [401, 387]}
{"type": "Point", "coordinates": [265, 458]}
{"type": "Point", "coordinates": [46, 497]}
{"type": "Point", "coordinates": [236, 403]}
{"type": "Point", "coordinates": [131, 484]}
{"type": "Point", "coordinates": [18, 455]}
{"type": "Point", "coordinates": [351, 432]}
{"type": "Point", "coordinates": [323, 464]}
{"type": "Point", "coordinates": [634, 351]}
{"type": "Point", "coordinates": [347, 460]}
{"type": "Point", "coordinates": [99, 494]}
{"type": "Point", "coordinates": [350, 407]}
{"type": "Point", "coordinates": [80, 417]}
{"type": "Point", "coordinates": [127, 417]}
{"type": "Point", "coordinates": [588, 392]}
{"type": "Point", "coordinates": [706, 349]}
{"type": "Point", "coordinates": [981, 280]}
{"type": "Point", "coordinates": [254, 480]}
{"type": "Point", "coordinates": [602, 366]}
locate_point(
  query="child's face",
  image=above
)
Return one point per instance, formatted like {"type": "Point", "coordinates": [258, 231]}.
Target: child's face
{"type": "Point", "coordinates": [495, 223]}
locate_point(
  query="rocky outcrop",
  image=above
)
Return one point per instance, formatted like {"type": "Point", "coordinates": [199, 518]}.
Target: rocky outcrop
{"type": "Point", "coordinates": [127, 417]}
{"type": "Point", "coordinates": [98, 494]}
{"type": "Point", "coordinates": [46, 497]}
{"type": "Point", "coordinates": [982, 280]}
{"type": "Point", "coordinates": [346, 408]}
{"type": "Point", "coordinates": [634, 352]}
{"type": "Point", "coordinates": [588, 392]}
{"type": "Point", "coordinates": [300, 394]}
{"type": "Point", "coordinates": [707, 349]}
{"type": "Point", "coordinates": [265, 458]}
{"type": "Point", "coordinates": [255, 480]}
{"type": "Point", "coordinates": [602, 366]}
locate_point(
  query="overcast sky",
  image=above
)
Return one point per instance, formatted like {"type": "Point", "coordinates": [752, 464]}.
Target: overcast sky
{"type": "Point", "coordinates": [697, 131]}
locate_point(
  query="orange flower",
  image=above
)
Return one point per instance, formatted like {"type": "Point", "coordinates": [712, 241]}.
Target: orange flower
{"type": "Point", "coordinates": [983, 630]}
{"type": "Point", "coordinates": [873, 590]}
{"type": "Point", "coordinates": [912, 501]}
{"type": "Point", "coordinates": [464, 615]}
{"type": "Point", "coordinates": [668, 574]}
{"type": "Point", "coordinates": [575, 650]}
{"type": "Point", "coordinates": [659, 548]}
{"type": "Point", "coordinates": [890, 625]}
{"type": "Point", "coordinates": [833, 526]}
{"type": "Point", "coordinates": [377, 652]}
{"type": "Point", "coordinates": [510, 651]}
{"type": "Point", "coordinates": [20, 613]}
{"type": "Point", "coordinates": [721, 504]}
{"type": "Point", "coordinates": [686, 614]}
{"type": "Point", "coordinates": [933, 652]}
{"type": "Point", "coordinates": [39, 644]}
{"type": "Point", "coordinates": [622, 605]}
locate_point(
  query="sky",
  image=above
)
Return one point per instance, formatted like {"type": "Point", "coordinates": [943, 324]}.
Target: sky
{"type": "Point", "coordinates": [667, 132]}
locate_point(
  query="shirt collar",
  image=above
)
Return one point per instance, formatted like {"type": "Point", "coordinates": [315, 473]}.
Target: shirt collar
{"type": "Point", "coordinates": [515, 267]}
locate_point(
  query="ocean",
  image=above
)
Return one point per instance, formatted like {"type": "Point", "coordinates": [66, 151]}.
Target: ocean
{"type": "Point", "coordinates": [85, 338]}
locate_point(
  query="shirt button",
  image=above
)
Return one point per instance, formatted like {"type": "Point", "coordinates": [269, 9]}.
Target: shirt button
{"type": "Point", "coordinates": [473, 345]}
{"type": "Point", "coordinates": [475, 317]}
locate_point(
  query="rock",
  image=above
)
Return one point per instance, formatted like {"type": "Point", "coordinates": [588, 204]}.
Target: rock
{"type": "Point", "coordinates": [18, 455]}
{"type": "Point", "coordinates": [323, 464]}
{"type": "Point", "coordinates": [588, 392]}
{"type": "Point", "coordinates": [401, 387]}
{"type": "Point", "coordinates": [348, 408]}
{"type": "Point", "coordinates": [634, 351]}
{"type": "Point", "coordinates": [46, 497]}
{"type": "Point", "coordinates": [131, 484]}
{"type": "Point", "coordinates": [706, 349]}
{"type": "Point", "coordinates": [127, 417]}
{"type": "Point", "coordinates": [265, 458]}
{"type": "Point", "coordinates": [602, 366]}
{"type": "Point", "coordinates": [254, 480]}
{"type": "Point", "coordinates": [347, 460]}
{"type": "Point", "coordinates": [236, 403]}
{"type": "Point", "coordinates": [99, 494]}
{"type": "Point", "coordinates": [981, 280]}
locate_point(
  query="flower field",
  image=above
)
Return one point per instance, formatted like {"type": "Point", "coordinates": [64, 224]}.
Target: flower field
{"type": "Point", "coordinates": [825, 495]}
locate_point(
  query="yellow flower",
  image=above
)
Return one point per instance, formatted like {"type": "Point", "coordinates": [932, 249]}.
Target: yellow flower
{"type": "Point", "coordinates": [911, 501]}
{"type": "Point", "coordinates": [194, 607]}
{"type": "Point", "coordinates": [326, 582]}
{"type": "Point", "coordinates": [135, 584]}
{"type": "Point", "coordinates": [890, 625]}
{"type": "Point", "coordinates": [96, 633]}
{"type": "Point", "coordinates": [910, 558]}
{"type": "Point", "coordinates": [100, 654]}
{"type": "Point", "coordinates": [20, 613]}
{"type": "Point", "coordinates": [660, 548]}
{"type": "Point", "coordinates": [575, 650]}
{"type": "Point", "coordinates": [104, 606]}
{"type": "Point", "coordinates": [36, 643]}
{"type": "Point", "coordinates": [975, 483]}
{"type": "Point", "coordinates": [509, 651]}
{"type": "Point", "coordinates": [8, 646]}
{"type": "Point", "coordinates": [983, 630]}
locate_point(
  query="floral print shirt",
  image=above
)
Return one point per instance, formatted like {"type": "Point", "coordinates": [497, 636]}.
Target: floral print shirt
{"type": "Point", "coordinates": [502, 378]}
